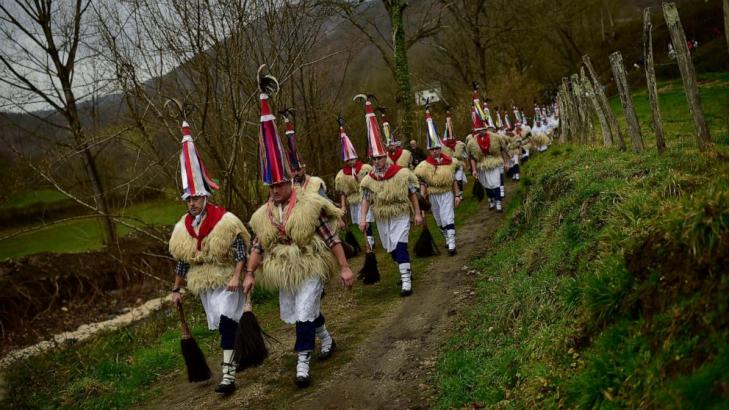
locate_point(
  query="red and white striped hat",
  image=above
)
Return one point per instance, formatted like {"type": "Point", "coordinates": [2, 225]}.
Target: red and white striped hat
{"type": "Point", "coordinates": [195, 178]}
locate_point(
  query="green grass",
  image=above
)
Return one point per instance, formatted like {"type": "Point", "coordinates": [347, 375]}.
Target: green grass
{"type": "Point", "coordinates": [41, 196]}
{"type": "Point", "coordinates": [607, 287]}
{"type": "Point", "coordinates": [85, 234]}
{"type": "Point", "coordinates": [133, 365]}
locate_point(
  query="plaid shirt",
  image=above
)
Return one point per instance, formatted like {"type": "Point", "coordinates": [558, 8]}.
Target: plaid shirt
{"type": "Point", "coordinates": [239, 254]}
{"type": "Point", "coordinates": [324, 229]}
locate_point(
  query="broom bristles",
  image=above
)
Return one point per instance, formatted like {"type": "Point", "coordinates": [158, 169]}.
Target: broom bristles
{"type": "Point", "coordinates": [352, 241]}
{"type": "Point", "coordinates": [478, 192]}
{"type": "Point", "coordinates": [370, 273]}
{"type": "Point", "coordinates": [197, 366]}
{"type": "Point", "coordinates": [425, 245]}
{"type": "Point", "coordinates": [250, 347]}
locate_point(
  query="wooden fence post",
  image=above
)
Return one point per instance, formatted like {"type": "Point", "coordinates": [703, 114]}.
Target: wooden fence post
{"type": "Point", "coordinates": [678, 38]}
{"type": "Point", "coordinates": [587, 85]}
{"type": "Point", "coordinates": [615, 135]}
{"type": "Point", "coordinates": [650, 78]}
{"type": "Point", "coordinates": [616, 62]}
{"type": "Point", "coordinates": [567, 135]}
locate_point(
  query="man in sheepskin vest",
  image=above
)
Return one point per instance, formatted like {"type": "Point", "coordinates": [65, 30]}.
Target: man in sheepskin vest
{"type": "Point", "coordinates": [456, 150]}
{"type": "Point", "coordinates": [295, 247]}
{"type": "Point", "coordinates": [390, 191]}
{"type": "Point", "coordinates": [438, 184]}
{"type": "Point", "coordinates": [347, 183]}
{"type": "Point", "coordinates": [485, 153]}
{"type": "Point", "coordinates": [302, 180]}
{"type": "Point", "coordinates": [209, 245]}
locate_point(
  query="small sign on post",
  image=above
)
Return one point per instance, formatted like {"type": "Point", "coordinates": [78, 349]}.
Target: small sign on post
{"type": "Point", "coordinates": [432, 94]}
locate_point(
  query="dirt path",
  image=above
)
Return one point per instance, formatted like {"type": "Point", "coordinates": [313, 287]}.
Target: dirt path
{"type": "Point", "coordinates": [387, 350]}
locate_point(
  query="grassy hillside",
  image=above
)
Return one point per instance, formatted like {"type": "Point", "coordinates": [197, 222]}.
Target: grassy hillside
{"type": "Point", "coordinates": [607, 287]}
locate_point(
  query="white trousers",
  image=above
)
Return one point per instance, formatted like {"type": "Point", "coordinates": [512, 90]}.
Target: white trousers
{"type": "Point", "coordinates": [442, 207]}
{"type": "Point", "coordinates": [354, 211]}
{"type": "Point", "coordinates": [490, 178]}
{"type": "Point", "coordinates": [393, 230]}
{"type": "Point", "coordinates": [303, 304]}
{"type": "Point", "coordinates": [221, 301]}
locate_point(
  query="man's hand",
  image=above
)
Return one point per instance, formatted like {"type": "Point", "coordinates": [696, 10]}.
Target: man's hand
{"type": "Point", "coordinates": [347, 277]}
{"type": "Point", "coordinates": [458, 201]}
{"type": "Point", "coordinates": [474, 173]}
{"type": "Point", "coordinates": [248, 283]}
{"type": "Point", "coordinates": [234, 284]}
{"type": "Point", "coordinates": [175, 298]}
{"type": "Point", "coordinates": [418, 219]}
{"type": "Point", "coordinates": [363, 226]}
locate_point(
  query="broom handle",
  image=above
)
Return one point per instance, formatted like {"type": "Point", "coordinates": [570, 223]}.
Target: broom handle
{"type": "Point", "coordinates": [248, 306]}
{"type": "Point", "coordinates": [186, 334]}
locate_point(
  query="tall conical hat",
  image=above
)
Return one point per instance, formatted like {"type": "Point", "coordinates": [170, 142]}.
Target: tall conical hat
{"type": "Point", "coordinates": [272, 159]}
{"type": "Point", "coordinates": [387, 129]}
{"type": "Point", "coordinates": [432, 140]}
{"type": "Point", "coordinates": [499, 122]}
{"type": "Point", "coordinates": [195, 178]}
{"type": "Point", "coordinates": [375, 147]}
{"type": "Point", "coordinates": [448, 131]}
{"type": "Point", "coordinates": [292, 151]}
{"type": "Point", "coordinates": [506, 120]}
{"type": "Point", "coordinates": [517, 115]}
{"type": "Point", "coordinates": [347, 150]}
{"type": "Point", "coordinates": [476, 121]}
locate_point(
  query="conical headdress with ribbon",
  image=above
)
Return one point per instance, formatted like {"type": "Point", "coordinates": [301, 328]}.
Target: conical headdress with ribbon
{"type": "Point", "coordinates": [347, 150]}
{"type": "Point", "coordinates": [375, 147]}
{"type": "Point", "coordinates": [506, 120]}
{"type": "Point", "coordinates": [272, 158]}
{"type": "Point", "coordinates": [386, 128]}
{"type": "Point", "coordinates": [476, 121]}
{"type": "Point", "coordinates": [292, 151]}
{"type": "Point", "coordinates": [499, 123]}
{"type": "Point", "coordinates": [448, 131]}
{"type": "Point", "coordinates": [432, 140]}
{"type": "Point", "coordinates": [195, 178]}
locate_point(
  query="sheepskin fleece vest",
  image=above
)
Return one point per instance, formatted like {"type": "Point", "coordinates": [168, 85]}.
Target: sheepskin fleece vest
{"type": "Point", "coordinates": [439, 179]}
{"type": "Point", "coordinates": [540, 139]}
{"type": "Point", "coordinates": [287, 262]}
{"type": "Point", "coordinates": [406, 158]}
{"type": "Point", "coordinates": [348, 186]}
{"type": "Point", "coordinates": [313, 185]}
{"type": "Point", "coordinates": [486, 162]}
{"type": "Point", "coordinates": [390, 198]}
{"type": "Point", "coordinates": [212, 266]}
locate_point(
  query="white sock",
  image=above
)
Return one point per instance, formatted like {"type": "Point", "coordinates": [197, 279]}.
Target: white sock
{"type": "Point", "coordinates": [503, 191]}
{"type": "Point", "coordinates": [371, 241]}
{"type": "Point", "coordinates": [498, 205]}
{"type": "Point", "coordinates": [326, 339]}
{"type": "Point", "coordinates": [302, 366]}
{"type": "Point", "coordinates": [451, 239]}
{"type": "Point", "coordinates": [228, 367]}
{"type": "Point", "coordinates": [405, 276]}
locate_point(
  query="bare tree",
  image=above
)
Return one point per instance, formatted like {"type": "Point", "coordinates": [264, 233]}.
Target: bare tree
{"type": "Point", "coordinates": [42, 43]}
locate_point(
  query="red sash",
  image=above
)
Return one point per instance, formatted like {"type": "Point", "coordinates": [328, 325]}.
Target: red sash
{"type": "Point", "coordinates": [394, 168]}
{"type": "Point", "coordinates": [394, 156]}
{"type": "Point", "coordinates": [353, 171]}
{"type": "Point", "coordinates": [444, 160]}
{"type": "Point", "coordinates": [213, 215]}
{"type": "Point", "coordinates": [484, 142]}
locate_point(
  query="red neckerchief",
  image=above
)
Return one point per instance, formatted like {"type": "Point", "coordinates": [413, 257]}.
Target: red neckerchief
{"type": "Point", "coordinates": [281, 227]}
{"type": "Point", "coordinates": [353, 171]}
{"type": "Point", "coordinates": [389, 173]}
{"type": "Point", "coordinates": [213, 215]}
{"type": "Point", "coordinates": [450, 143]}
{"type": "Point", "coordinates": [394, 156]}
{"type": "Point", "coordinates": [484, 142]}
{"type": "Point", "coordinates": [444, 160]}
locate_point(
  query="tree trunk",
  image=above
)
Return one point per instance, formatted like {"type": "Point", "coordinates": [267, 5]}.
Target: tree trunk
{"type": "Point", "coordinates": [726, 23]}
{"type": "Point", "coordinates": [402, 71]}
{"type": "Point", "coordinates": [615, 134]}
{"type": "Point", "coordinates": [616, 62]}
{"type": "Point", "coordinates": [678, 38]}
{"type": "Point", "coordinates": [650, 78]}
